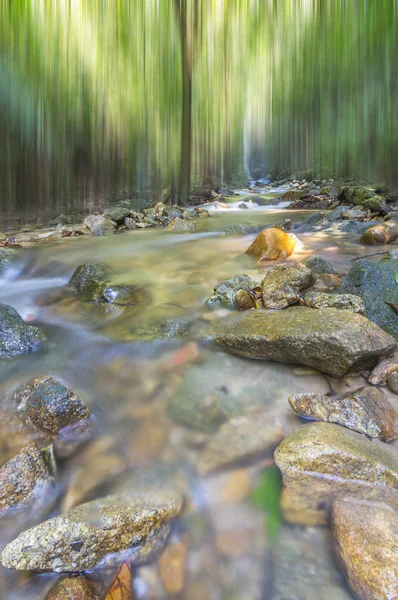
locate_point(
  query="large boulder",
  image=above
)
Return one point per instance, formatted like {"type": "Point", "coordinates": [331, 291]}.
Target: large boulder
{"type": "Point", "coordinates": [383, 233]}
{"type": "Point", "coordinates": [178, 224]}
{"type": "Point", "coordinates": [321, 462]}
{"type": "Point", "coordinates": [375, 283]}
{"type": "Point", "coordinates": [366, 410]}
{"type": "Point", "coordinates": [271, 244]}
{"type": "Point", "coordinates": [72, 588]}
{"type": "Point", "coordinates": [118, 213]}
{"type": "Point", "coordinates": [100, 224]}
{"type": "Point", "coordinates": [87, 280]}
{"type": "Point", "coordinates": [330, 340]}
{"type": "Point", "coordinates": [365, 541]}
{"type": "Point", "coordinates": [16, 337]}
{"type": "Point", "coordinates": [283, 284]}
{"type": "Point", "coordinates": [95, 533]}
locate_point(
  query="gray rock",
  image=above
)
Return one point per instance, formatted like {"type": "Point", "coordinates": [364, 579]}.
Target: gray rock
{"type": "Point", "coordinates": [365, 410]}
{"type": "Point", "coordinates": [178, 224]}
{"type": "Point", "coordinates": [118, 213]}
{"type": "Point", "coordinates": [330, 340]}
{"type": "Point", "coordinates": [87, 280]}
{"type": "Point", "coordinates": [224, 292]}
{"type": "Point", "coordinates": [125, 295]}
{"type": "Point", "coordinates": [6, 255]}
{"type": "Point", "coordinates": [16, 337]}
{"type": "Point", "coordinates": [100, 224]}
{"type": "Point", "coordinates": [283, 284]}
{"type": "Point", "coordinates": [314, 222]}
{"type": "Point", "coordinates": [22, 480]}
{"type": "Point", "coordinates": [44, 404]}
{"type": "Point", "coordinates": [319, 265]}
{"type": "Point", "coordinates": [235, 229]}
{"type": "Point", "coordinates": [375, 283]}
{"type": "Point", "coordinates": [383, 370]}
{"type": "Point", "coordinates": [340, 301]}
{"type": "Point", "coordinates": [93, 534]}
{"type": "Point", "coordinates": [392, 382]}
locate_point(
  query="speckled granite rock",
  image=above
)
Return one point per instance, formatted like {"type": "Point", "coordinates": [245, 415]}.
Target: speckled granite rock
{"type": "Point", "coordinates": [87, 279]}
{"type": "Point", "coordinates": [366, 545]}
{"type": "Point", "coordinates": [330, 340]}
{"type": "Point", "coordinates": [92, 533]}
{"type": "Point", "coordinates": [366, 410]}
{"type": "Point", "coordinates": [22, 479]}
{"type": "Point", "coordinates": [283, 284]}
{"type": "Point", "coordinates": [321, 462]}
{"type": "Point", "coordinates": [340, 301]}
{"type": "Point", "coordinates": [178, 224]}
{"type": "Point", "coordinates": [72, 588]}
{"type": "Point", "coordinates": [100, 224]}
{"type": "Point", "coordinates": [240, 441]}
{"type": "Point", "coordinates": [318, 264]}
{"type": "Point", "coordinates": [383, 370]}
{"type": "Point", "coordinates": [224, 292]}
{"type": "Point", "coordinates": [46, 405]}
{"type": "Point", "coordinates": [16, 337]}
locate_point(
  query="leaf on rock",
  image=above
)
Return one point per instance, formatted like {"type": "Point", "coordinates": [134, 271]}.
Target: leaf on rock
{"type": "Point", "coordinates": [121, 587]}
{"type": "Point", "coordinates": [396, 277]}
{"type": "Point", "coordinates": [393, 306]}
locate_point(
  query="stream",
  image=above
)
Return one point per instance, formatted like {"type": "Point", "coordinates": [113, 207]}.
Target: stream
{"type": "Point", "coordinates": [129, 379]}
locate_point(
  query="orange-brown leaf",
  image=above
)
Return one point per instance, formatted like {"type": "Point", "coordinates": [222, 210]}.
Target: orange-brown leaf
{"type": "Point", "coordinates": [393, 306]}
{"type": "Point", "coordinates": [121, 588]}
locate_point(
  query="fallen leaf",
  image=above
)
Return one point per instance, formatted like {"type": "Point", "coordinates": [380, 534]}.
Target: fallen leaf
{"type": "Point", "coordinates": [396, 277]}
{"type": "Point", "coordinates": [393, 306]}
{"type": "Point", "coordinates": [121, 587]}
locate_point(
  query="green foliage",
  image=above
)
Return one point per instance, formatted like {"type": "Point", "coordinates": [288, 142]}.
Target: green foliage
{"type": "Point", "coordinates": [267, 497]}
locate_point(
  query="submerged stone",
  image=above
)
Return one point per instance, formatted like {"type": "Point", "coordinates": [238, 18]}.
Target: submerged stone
{"type": "Point", "coordinates": [321, 462]}
{"type": "Point", "coordinates": [392, 382]}
{"type": "Point", "coordinates": [330, 340]}
{"type": "Point", "coordinates": [16, 337]}
{"type": "Point", "coordinates": [365, 541]}
{"type": "Point", "coordinates": [224, 292]}
{"type": "Point", "coordinates": [46, 405]}
{"type": "Point", "coordinates": [283, 284]}
{"type": "Point", "coordinates": [125, 295]}
{"type": "Point", "coordinates": [271, 244]}
{"type": "Point", "coordinates": [100, 224]}
{"type": "Point", "coordinates": [93, 534]}
{"type": "Point", "coordinates": [22, 479]}
{"type": "Point", "coordinates": [318, 264]}
{"type": "Point", "coordinates": [366, 410]}
{"type": "Point", "coordinates": [87, 280]}
{"type": "Point", "coordinates": [178, 224]}
{"type": "Point", "coordinates": [340, 301]}
{"type": "Point", "coordinates": [73, 588]}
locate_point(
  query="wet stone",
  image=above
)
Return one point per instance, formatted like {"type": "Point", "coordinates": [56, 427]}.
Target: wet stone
{"type": "Point", "coordinates": [330, 340]}
{"type": "Point", "coordinates": [365, 541]}
{"type": "Point", "coordinates": [6, 255]}
{"type": "Point", "coordinates": [23, 479]}
{"type": "Point", "coordinates": [46, 405]}
{"type": "Point", "coordinates": [16, 337]}
{"type": "Point", "coordinates": [178, 224]}
{"type": "Point", "coordinates": [224, 292]}
{"type": "Point", "coordinates": [383, 370]}
{"type": "Point", "coordinates": [271, 244]}
{"type": "Point", "coordinates": [340, 301]}
{"type": "Point", "coordinates": [72, 588]}
{"type": "Point", "coordinates": [322, 462]}
{"type": "Point", "coordinates": [366, 410]}
{"type": "Point", "coordinates": [87, 279]}
{"type": "Point", "coordinates": [100, 224]}
{"type": "Point", "coordinates": [118, 213]}
{"type": "Point", "coordinates": [392, 382]}
{"type": "Point", "coordinates": [99, 533]}
{"type": "Point", "coordinates": [283, 284]}
{"type": "Point", "coordinates": [243, 300]}
{"type": "Point", "coordinates": [125, 295]}
{"type": "Point", "coordinates": [318, 264]}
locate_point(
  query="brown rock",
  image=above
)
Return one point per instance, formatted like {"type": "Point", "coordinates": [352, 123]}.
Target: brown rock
{"type": "Point", "coordinates": [366, 410]}
{"type": "Point", "coordinates": [22, 479]}
{"type": "Point", "coordinates": [272, 244]}
{"type": "Point", "coordinates": [72, 588]}
{"type": "Point", "coordinates": [240, 441]}
{"type": "Point", "coordinates": [384, 233]}
{"type": "Point", "coordinates": [383, 370]}
{"type": "Point", "coordinates": [283, 284]}
{"type": "Point", "coordinates": [321, 462]}
{"type": "Point", "coordinates": [172, 565]}
{"type": "Point", "coordinates": [392, 382]}
{"type": "Point", "coordinates": [46, 405]}
{"type": "Point", "coordinates": [243, 300]}
{"type": "Point", "coordinates": [366, 546]}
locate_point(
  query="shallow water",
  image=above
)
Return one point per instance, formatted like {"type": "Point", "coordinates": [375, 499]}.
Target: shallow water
{"type": "Point", "coordinates": [128, 379]}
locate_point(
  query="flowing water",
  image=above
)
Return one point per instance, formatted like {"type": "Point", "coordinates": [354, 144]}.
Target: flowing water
{"type": "Point", "coordinates": [111, 359]}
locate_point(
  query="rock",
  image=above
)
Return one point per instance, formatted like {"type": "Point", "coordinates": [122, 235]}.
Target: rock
{"type": "Point", "coordinates": [383, 370]}
{"type": "Point", "coordinates": [73, 588]}
{"type": "Point", "coordinates": [271, 244]}
{"type": "Point", "coordinates": [318, 264]}
{"type": "Point", "coordinates": [83, 537]}
{"type": "Point", "coordinates": [125, 295]}
{"type": "Point", "coordinates": [365, 536]}
{"type": "Point", "coordinates": [178, 224]}
{"type": "Point", "coordinates": [341, 301]}
{"type": "Point", "coordinates": [330, 340]}
{"type": "Point", "coordinates": [224, 292]}
{"type": "Point", "coordinates": [243, 300]}
{"type": "Point", "coordinates": [285, 225]}
{"type": "Point", "coordinates": [376, 204]}
{"type": "Point", "coordinates": [283, 284]}
{"type": "Point", "coordinates": [87, 280]}
{"type": "Point", "coordinates": [366, 410]}
{"type": "Point", "coordinates": [23, 479]}
{"type": "Point", "coordinates": [392, 382]}
{"type": "Point", "coordinates": [384, 233]}
{"type": "Point", "coordinates": [375, 283]}
{"type": "Point", "coordinates": [16, 337]}
{"type": "Point", "coordinates": [234, 229]}
{"type": "Point", "coordinates": [304, 566]}
{"type": "Point", "coordinates": [321, 462]}
{"type": "Point", "coordinates": [241, 441]}
{"type": "Point", "coordinates": [100, 224]}
{"type": "Point", "coordinates": [315, 222]}
{"type": "Point", "coordinates": [44, 404]}
{"type": "Point", "coordinates": [356, 195]}
{"type": "Point", "coordinates": [172, 328]}
{"type": "Point", "coordinates": [353, 214]}
{"type": "Point", "coordinates": [118, 213]}
{"type": "Point", "coordinates": [6, 255]}
{"type": "Point", "coordinates": [72, 230]}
